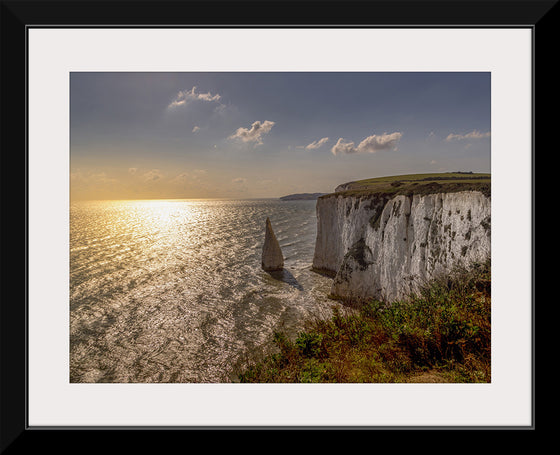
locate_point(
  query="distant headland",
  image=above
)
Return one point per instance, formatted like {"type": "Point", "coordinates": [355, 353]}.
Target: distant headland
{"type": "Point", "coordinates": [302, 197]}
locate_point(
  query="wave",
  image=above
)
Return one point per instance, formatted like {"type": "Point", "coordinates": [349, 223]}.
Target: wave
{"type": "Point", "coordinates": [174, 292]}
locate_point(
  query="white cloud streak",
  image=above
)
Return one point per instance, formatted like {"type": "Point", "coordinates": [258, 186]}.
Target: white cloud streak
{"type": "Point", "coordinates": [316, 144]}
{"type": "Point", "coordinates": [255, 133]}
{"type": "Point", "coordinates": [370, 144]}
{"type": "Point", "coordinates": [184, 96]}
{"type": "Point", "coordinates": [475, 134]}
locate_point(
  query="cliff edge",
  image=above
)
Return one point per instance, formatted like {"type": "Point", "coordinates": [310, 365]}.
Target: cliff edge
{"type": "Point", "coordinates": [384, 238]}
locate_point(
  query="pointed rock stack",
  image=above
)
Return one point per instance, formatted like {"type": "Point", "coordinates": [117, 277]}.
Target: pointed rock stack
{"type": "Point", "coordinates": [272, 258]}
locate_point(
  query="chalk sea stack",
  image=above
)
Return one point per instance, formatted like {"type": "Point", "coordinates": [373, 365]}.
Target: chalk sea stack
{"type": "Point", "coordinates": [272, 258]}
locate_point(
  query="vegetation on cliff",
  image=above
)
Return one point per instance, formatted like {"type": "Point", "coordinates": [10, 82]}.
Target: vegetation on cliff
{"type": "Point", "coordinates": [301, 197]}
{"type": "Point", "coordinates": [441, 335]}
{"type": "Point", "coordinates": [416, 184]}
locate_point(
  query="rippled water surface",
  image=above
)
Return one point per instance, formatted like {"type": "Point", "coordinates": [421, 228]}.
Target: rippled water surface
{"type": "Point", "coordinates": [173, 290]}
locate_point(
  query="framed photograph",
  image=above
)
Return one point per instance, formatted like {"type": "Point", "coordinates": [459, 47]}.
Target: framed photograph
{"type": "Point", "coordinates": [270, 224]}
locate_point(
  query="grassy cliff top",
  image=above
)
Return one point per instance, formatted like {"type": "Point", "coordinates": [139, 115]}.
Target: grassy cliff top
{"type": "Point", "coordinates": [448, 182]}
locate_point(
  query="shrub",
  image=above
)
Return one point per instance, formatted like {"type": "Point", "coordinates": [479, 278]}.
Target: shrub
{"type": "Point", "coordinates": [444, 329]}
{"type": "Point", "coordinates": [310, 344]}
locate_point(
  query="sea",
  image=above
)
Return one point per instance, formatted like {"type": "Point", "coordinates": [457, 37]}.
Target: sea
{"type": "Point", "coordinates": [172, 291]}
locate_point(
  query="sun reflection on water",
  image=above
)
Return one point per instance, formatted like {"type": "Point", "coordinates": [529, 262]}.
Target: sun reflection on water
{"type": "Point", "coordinates": [172, 290]}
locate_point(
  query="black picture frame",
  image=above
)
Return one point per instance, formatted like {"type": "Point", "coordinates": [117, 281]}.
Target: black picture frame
{"type": "Point", "coordinates": [19, 16]}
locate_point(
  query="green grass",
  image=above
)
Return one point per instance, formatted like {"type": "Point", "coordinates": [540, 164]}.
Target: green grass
{"type": "Point", "coordinates": [418, 184]}
{"type": "Point", "coordinates": [440, 335]}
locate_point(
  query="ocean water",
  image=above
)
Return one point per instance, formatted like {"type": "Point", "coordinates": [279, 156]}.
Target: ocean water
{"type": "Point", "coordinates": [173, 290]}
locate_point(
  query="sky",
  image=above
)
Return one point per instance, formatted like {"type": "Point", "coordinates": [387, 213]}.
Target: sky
{"type": "Point", "coordinates": [266, 135]}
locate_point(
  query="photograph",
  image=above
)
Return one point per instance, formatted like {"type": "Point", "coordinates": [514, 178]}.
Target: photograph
{"type": "Point", "coordinates": [284, 227]}
{"type": "Point", "coordinates": [280, 227]}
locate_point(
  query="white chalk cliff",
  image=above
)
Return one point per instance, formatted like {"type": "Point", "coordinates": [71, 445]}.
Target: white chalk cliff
{"type": "Point", "coordinates": [385, 247]}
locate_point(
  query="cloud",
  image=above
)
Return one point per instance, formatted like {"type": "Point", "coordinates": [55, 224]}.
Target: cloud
{"type": "Point", "coordinates": [89, 178]}
{"type": "Point", "coordinates": [370, 144]}
{"type": "Point", "coordinates": [343, 147]}
{"type": "Point", "coordinates": [195, 129]}
{"type": "Point", "coordinates": [152, 175]}
{"type": "Point", "coordinates": [195, 176]}
{"type": "Point", "coordinates": [182, 178]}
{"type": "Point", "coordinates": [184, 96]}
{"type": "Point", "coordinates": [475, 134]}
{"type": "Point", "coordinates": [132, 170]}
{"type": "Point", "coordinates": [255, 133]}
{"type": "Point", "coordinates": [317, 144]}
{"type": "Point", "coordinates": [239, 180]}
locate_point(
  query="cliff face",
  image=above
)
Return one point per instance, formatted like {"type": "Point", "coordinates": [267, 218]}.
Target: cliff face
{"type": "Point", "coordinates": [385, 247]}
